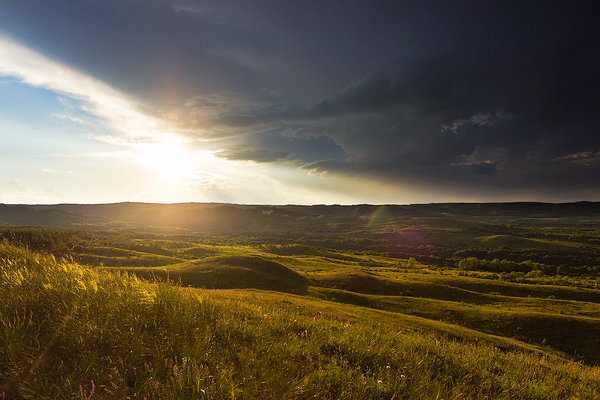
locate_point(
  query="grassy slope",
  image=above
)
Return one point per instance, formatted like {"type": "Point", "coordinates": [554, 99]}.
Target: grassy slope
{"type": "Point", "coordinates": [559, 318]}
{"type": "Point", "coordinates": [67, 330]}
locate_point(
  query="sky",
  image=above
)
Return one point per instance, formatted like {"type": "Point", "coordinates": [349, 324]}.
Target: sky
{"type": "Point", "coordinates": [298, 102]}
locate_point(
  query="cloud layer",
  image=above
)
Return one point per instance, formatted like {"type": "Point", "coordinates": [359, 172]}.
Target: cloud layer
{"type": "Point", "coordinates": [479, 100]}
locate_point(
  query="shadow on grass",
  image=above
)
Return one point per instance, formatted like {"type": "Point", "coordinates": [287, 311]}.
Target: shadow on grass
{"type": "Point", "coordinates": [233, 272]}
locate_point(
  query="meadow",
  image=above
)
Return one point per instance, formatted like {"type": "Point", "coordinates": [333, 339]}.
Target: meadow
{"type": "Point", "coordinates": [391, 308]}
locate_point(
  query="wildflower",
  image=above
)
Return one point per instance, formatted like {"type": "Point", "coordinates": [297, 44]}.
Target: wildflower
{"type": "Point", "coordinates": [176, 371]}
{"type": "Point", "coordinates": [380, 382]}
{"type": "Point", "coordinates": [82, 393]}
{"type": "Point", "coordinates": [402, 376]}
{"type": "Point", "coordinates": [388, 367]}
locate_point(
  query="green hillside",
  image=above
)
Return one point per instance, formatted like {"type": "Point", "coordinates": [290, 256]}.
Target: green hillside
{"type": "Point", "coordinates": [207, 301]}
{"type": "Point", "coordinates": [563, 319]}
{"type": "Point", "coordinates": [69, 331]}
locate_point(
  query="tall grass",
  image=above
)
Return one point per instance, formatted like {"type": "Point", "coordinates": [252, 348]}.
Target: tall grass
{"type": "Point", "coordinates": [69, 332]}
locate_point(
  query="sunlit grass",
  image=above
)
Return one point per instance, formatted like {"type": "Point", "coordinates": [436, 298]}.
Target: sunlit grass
{"type": "Point", "coordinates": [67, 331]}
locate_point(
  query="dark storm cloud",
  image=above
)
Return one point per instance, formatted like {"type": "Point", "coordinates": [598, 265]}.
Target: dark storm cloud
{"type": "Point", "coordinates": [308, 132]}
{"type": "Point", "coordinates": [500, 94]}
{"type": "Point", "coordinates": [477, 112]}
{"type": "Point", "coordinates": [257, 155]}
{"type": "Point", "coordinates": [536, 97]}
{"type": "Point", "coordinates": [428, 87]}
{"type": "Point", "coordinates": [484, 168]}
{"type": "Point", "coordinates": [374, 93]}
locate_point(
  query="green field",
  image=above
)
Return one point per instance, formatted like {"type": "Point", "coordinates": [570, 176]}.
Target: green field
{"type": "Point", "coordinates": [394, 307]}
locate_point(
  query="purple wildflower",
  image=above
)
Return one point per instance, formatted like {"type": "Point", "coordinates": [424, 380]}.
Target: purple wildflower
{"type": "Point", "coordinates": [82, 394]}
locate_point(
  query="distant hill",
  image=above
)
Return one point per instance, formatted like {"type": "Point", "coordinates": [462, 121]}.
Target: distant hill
{"type": "Point", "coordinates": [519, 209]}
{"type": "Point", "coordinates": [217, 217]}
{"type": "Point", "coordinates": [23, 215]}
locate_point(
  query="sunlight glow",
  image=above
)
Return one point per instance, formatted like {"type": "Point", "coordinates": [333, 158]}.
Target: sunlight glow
{"type": "Point", "coordinates": [141, 157]}
{"type": "Point", "coordinates": [167, 157]}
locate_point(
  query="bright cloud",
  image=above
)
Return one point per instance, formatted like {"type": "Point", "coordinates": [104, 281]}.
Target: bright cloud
{"type": "Point", "coordinates": [476, 120]}
{"type": "Point", "coordinates": [119, 111]}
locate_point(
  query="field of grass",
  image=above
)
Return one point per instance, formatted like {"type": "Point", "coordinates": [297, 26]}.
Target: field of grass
{"type": "Point", "coordinates": [564, 319]}
{"type": "Point", "coordinates": [69, 331]}
{"type": "Point", "coordinates": [388, 306]}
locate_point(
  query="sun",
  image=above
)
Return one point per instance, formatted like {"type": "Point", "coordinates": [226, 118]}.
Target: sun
{"type": "Point", "coordinates": [167, 157]}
